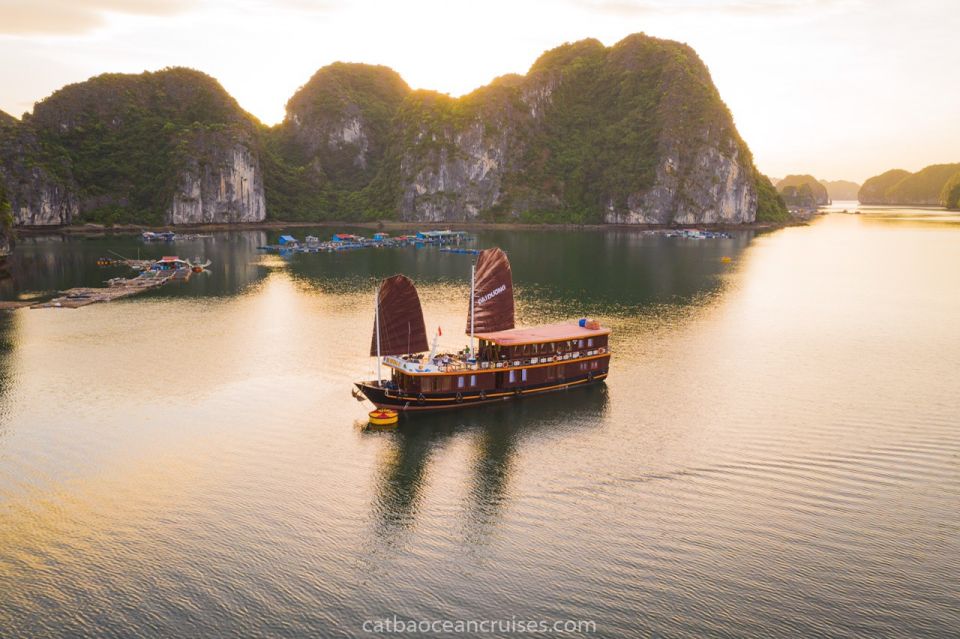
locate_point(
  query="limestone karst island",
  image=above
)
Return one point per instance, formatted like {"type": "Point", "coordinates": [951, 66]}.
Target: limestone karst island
{"type": "Point", "coordinates": [589, 318]}
{"type": "Point", "coordinates": [634, 133]}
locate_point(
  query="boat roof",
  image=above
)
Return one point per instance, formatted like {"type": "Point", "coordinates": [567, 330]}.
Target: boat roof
{"type": "Point", "coordinates": [540, 334]}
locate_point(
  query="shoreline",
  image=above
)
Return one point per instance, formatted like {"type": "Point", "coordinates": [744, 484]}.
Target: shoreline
{"type": "Point", "coordinates": [274, 225]}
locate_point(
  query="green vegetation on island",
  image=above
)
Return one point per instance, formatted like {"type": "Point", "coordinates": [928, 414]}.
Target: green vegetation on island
{"type": "Point", "coordinates": [899, 187]}
{"type": "Point", "coordinates": [6, 219]}
{"type": "Point", "coordinates": [770, 204]}
{"type": "Point", "coordinates": [803, 191]}
{"type": "Point", "coordinates": [950, 195]}
{"type": "Point", "coordinates": [124, 139]}
{"type": "Point", "coordinates": [635, 132]}
{"type": "Point", "coordinates": [841, 189]}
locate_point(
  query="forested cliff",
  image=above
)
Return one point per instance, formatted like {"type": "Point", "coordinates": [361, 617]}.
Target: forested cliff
{"type": "Point", "coordinates": [633, 133]}
{"type": "Point", "coordinates": [926, 187]}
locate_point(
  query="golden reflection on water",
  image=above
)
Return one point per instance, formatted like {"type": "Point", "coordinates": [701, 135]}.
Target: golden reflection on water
{"type": "Point", "coordinates": [775, 427]}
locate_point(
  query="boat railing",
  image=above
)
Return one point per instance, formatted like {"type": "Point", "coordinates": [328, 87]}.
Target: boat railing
{"type": "Point", "coordinates": [541, 359]}
{"type": "Point", "coordinates": [457, 365]}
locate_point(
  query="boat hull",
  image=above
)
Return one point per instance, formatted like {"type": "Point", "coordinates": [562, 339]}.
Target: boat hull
{"type": "Point", "coordinates": [383, 397]}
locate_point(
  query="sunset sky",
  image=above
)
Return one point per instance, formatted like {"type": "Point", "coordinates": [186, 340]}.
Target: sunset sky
{"type": "Point", "coordinates": [842, 89]}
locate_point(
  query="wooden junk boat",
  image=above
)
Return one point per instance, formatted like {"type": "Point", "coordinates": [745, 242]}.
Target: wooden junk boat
{"type": "Point", "coordinates": [508, 363]}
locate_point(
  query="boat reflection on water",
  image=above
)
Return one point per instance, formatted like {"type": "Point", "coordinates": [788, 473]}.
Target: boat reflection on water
{"type": "Point", "coordinates": [495, 433]}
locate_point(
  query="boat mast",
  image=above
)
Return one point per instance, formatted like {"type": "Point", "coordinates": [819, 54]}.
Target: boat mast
{"type": "Point", "coordinates": [473, 286]}
{"type": "Point", "coordinates": [376, 323]}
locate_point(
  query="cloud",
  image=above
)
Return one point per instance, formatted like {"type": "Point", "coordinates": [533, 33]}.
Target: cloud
{"type": "Point", "coordinates": [70, 17]}
{"type": "Point", "coordinates": [730, 7]}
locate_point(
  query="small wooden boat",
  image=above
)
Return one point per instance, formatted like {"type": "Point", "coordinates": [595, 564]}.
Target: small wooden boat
{"type": "Point", "coordinates": [170, 263]}
{"type": "Point", "coordinates": [507, 363]}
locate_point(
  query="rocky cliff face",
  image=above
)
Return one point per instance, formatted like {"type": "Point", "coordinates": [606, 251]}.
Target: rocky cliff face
{"type": "Point", "coordinates": [154, 148]}
{"type": "Point", "coordinates": [455, 181]}
{"type": "Point", "coordinates": [6, 224]}
{"type": "Point", "coordinates": [715, 188]}
{"type": "Point", "coordinates": [338, 124]}
{"type": "Point", "coordinates": [634, 133]}
{"type": "Point", "coordinates": [37, 197]}
{"type": "Point", "coordinates": [453, 162]}
{"type": "Point", "coordinates": [589, 135]}
{"type": "Point", "coordinates": [704, 172]}
{"type": "Point", "coordinates": [220, 182]}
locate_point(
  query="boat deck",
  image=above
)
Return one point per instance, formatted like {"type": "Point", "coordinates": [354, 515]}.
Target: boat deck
{"type": "Point", "coordinates": [454, 363]}
{"type": "Point", "coordinates": [441, 363]}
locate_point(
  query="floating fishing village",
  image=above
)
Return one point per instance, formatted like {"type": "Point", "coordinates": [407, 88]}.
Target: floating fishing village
{"type": "Point", "coordinates": [288, 244]}
{"type": "Point", "coordinates": [154, 273]}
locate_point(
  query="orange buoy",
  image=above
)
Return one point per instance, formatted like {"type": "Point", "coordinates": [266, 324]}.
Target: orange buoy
{"type": "Point", "coordinates": [383, 418]}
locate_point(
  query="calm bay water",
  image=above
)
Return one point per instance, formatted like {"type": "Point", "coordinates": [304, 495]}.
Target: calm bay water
{"type": "Point", "coordinates": [776, 452]}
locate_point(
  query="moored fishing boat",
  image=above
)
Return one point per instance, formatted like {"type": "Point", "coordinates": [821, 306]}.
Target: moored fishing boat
{"type": "Point", "coordinates": [501, 363]}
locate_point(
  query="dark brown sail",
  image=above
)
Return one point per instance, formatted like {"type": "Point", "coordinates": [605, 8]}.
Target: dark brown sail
{"type": "Point", "coordinates": [493, 293]}
{"type": "Point", "coordinates": [401, 318]}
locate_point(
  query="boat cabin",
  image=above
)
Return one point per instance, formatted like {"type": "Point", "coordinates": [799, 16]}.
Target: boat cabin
{"type": "Point", "coordinates": [507, 360]}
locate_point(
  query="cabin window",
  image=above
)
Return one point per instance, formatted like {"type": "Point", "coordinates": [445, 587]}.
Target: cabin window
{"type": "Point", "coordinates": [582, 343]}
{"type": "Point", "coordinates": [473, 380]}
{"type": "Point", "coordinates": [523, 374]}
{"type": "Point", "coordinates": [513, 376]}
{"type": "Point", "coordinates": [590, 342]}
{"type": "Point", "coordinates": [460, 382]}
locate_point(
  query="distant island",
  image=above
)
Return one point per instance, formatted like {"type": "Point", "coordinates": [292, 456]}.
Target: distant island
{"type": "Point", "coordinates": [832, 190]}
{"type": "Point", "coordinates": [950, 195]}
{"type": "Point", "coordinates": [841, 189]}
{"type": "Point", "coordinates": [935, 185]}
{"type": "Point", "coordinates": [635, 133]}
{"type": "Point", "coordinates": [802, 191]}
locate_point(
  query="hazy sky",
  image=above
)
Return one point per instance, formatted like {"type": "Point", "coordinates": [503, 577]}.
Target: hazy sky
{"type": "Point", "coordinates": [842, 89]}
